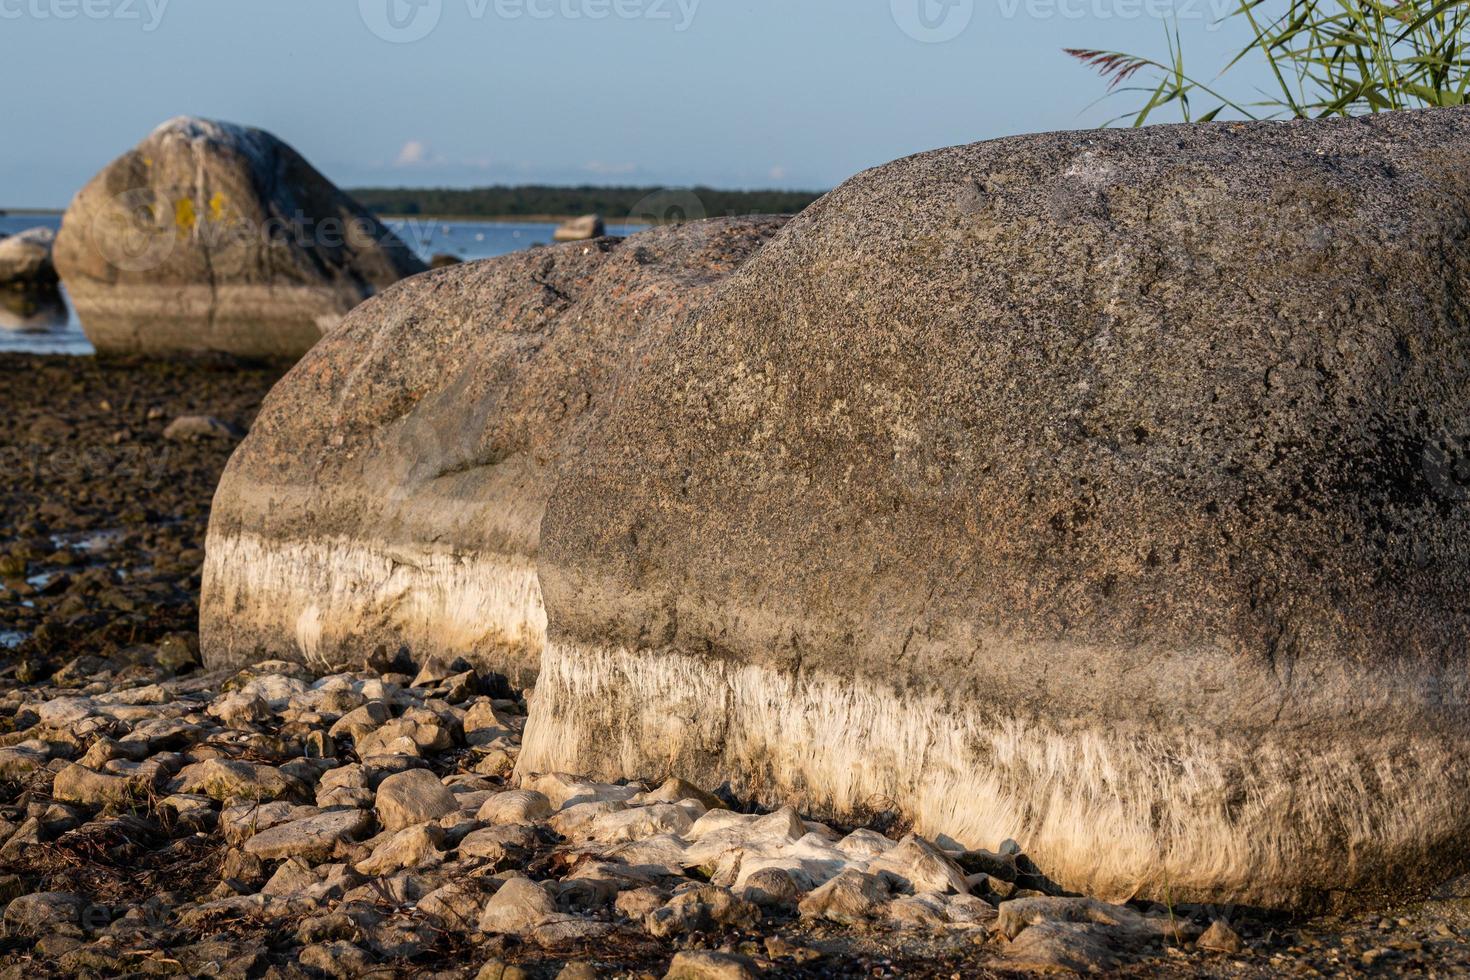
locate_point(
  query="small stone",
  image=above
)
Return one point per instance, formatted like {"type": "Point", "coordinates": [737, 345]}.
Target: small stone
{"type": "Point", "coordinates": [240, 710]}
{"type": "Point", "coordinates": [413, 797]}
{"type": "Point", "coordinates": [292, 876]}
{"type": "Point", "coordinates": [498, 843]}
{"type": "Point", "coordinates": [702, 965]}
{"type": "Point", "coordinates": [44, 912]}
{"type": "Point", "coordinates": [457, 906]}
{"type": "Point", "coordinates": [675, 790]}
{"type": "Point", "coordinates": [778, 948]}
{"type": "Point", "coordinates": [1120, 920]}
{"type": "Point", "coordinates": [338, 959]}
{"type": "Point", "coordinates": [850, 898]}
{"type": "Point", "coordinates": [916, 865]}
{"type": "Point", "coordinates": [706, 908]}
{"type": "Point", "coordinates": [498, 970]}
{"type": "Point", "coordinates": [640, 823]}
{"type": "Point", "coordinates": [19, 761]}
{"type": "Point", "coordinates": [561, 930]}
{"type": "Point", "coordinates": [414, 847]}
{"type": "Point", "coordinates": [1220, 938]}
{"type": "Point", "coordinates": [319, 745]}
{"type": "Point", "coordinates": [772, 888]}
{"type": "Point", "coordinates": [517, 908]}
{"type": "Point", "coordinates": [577, 970]}
{"type": "Point", "coordinates": [312, 839]}
{"type": "Point", "coordinates": [515, 807]}
{"type": "Point", "coordinates": [361, 721]}
{"type": "Point", "coordinates": [229, 780]}
{"type": "Point", "coordinates": [1062, 946]}
{"type": "Point", "coordinates": [640, 902]}
{"type": "Point", "coordinates": [78, 784]}
{"type": "Point", "coordinates": [189, 428]}
{"type": "Point", "coordinates": [61, 712]}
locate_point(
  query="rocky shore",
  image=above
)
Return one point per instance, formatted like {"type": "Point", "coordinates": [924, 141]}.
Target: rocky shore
{"type": "Point", "coordinates": [104, 516]}
{"type": "Point", "coordinates": [159, 819]}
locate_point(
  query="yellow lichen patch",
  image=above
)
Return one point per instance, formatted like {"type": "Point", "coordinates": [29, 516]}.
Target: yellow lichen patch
{"type": "Point", "coordinates": [184, 215]}
{"type": "Point", "coordinates": [217, 206]}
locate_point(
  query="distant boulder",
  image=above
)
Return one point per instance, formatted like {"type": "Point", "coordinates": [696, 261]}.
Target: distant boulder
{"type": "Point", "coordinates": [581, 229]}
{"type": "Point", "coordinates": [444, 260]}
{"type": "Point", "coordinates": [214, 237]}
{"type": "Point", "coordinates": [389, 495]}
{"type": "Point", "coordinates": [26, 262]}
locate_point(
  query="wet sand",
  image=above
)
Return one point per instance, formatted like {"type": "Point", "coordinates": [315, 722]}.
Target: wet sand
{"type": "Point", "coordinates": [103, 519]}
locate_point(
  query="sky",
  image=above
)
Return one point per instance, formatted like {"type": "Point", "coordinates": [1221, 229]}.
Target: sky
{"type": "Point", "coordinates": [795, 94]}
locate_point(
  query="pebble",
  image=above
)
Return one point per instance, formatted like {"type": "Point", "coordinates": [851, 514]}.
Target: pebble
{"type": "Point", "coordinates": [412, 797]}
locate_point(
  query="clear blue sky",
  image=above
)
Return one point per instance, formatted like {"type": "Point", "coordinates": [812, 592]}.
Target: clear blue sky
{"type": "Point", "coordinates": [732, 93]}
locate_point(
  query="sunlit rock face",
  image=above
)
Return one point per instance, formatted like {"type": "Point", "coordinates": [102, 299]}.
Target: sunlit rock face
{"type": "Point", "coordinates": [389, 496]}
{"type": "Point", "coordinates": [1103, 491]}
{"type": "Point", "coordinates": [211, 237]}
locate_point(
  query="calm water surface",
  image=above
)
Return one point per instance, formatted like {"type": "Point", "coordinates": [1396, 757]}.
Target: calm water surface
{"type": "Point", "coordinates": [53, 328]}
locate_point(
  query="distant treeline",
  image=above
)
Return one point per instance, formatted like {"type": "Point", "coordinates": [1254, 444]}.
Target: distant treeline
{"type": "Point", "coordinates": [613, 203]}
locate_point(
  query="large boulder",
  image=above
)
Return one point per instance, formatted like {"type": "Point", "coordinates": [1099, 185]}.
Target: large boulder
{"type": "Point", "coordinates": [1097, 490]}
{"type": "Point", "coordinates": [25, 260]}
{"type": "Point", "coordinates": [390, 493]}
{"type": "Point", "coordinates": [214, 237]}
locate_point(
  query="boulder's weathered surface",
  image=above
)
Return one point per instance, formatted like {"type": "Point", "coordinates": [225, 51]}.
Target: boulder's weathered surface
{"type": "Point", "coordinates": [1097, 490]}
{"type": "Point", "coordinates": [25, 260]}
{"type": "Point", "coordinates": [390, 492]}
{"type": "Point", "coordinates": [580, 229]}
{"type": "Point", "coordinates": [213, 237]}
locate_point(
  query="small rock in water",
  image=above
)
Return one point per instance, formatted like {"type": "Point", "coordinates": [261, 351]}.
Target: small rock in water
{"type": "Point", "coordinates": [580, 229]}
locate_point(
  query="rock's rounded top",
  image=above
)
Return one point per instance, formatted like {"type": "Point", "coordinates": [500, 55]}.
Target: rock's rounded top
{"type": "Point", "coordinates": [258, 143]}
{"type": "Point", "coordinates": [197, 127]}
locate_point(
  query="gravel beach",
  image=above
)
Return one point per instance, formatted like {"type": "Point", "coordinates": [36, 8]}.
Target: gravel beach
{"type": "Point", "coordinates": [156, 819]}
